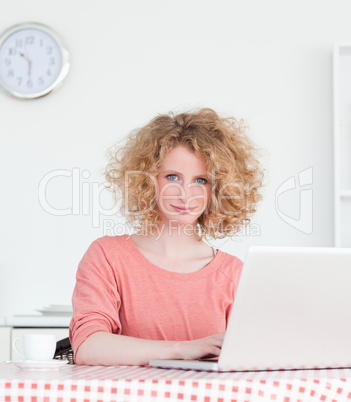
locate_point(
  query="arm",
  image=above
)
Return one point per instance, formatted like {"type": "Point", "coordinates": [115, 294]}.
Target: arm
{"type": "Point", "coordinates": [95, 329]}
{"type": "Point", "coordinates": [103, 348]}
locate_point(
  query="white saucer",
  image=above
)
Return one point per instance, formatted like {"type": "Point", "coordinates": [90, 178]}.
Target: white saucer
{"type": "Point", "coordinates": [37, 365]}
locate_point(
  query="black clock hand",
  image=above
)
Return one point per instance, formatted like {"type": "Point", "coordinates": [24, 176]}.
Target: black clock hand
{"type": "Point", "coordinates": [23, 55]}
{"type": "Point", "coordinates": [29, 63]}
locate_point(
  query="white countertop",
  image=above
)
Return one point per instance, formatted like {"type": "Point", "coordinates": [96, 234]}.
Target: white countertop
{"type": "Point", "coordinates": [44, 321]}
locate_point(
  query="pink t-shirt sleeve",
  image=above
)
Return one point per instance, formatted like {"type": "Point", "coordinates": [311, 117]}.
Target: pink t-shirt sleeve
{"type": "Point", "coordinates": [96, 301]}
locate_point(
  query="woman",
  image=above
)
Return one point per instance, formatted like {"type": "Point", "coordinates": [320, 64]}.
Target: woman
{"type": "Point", "coordinates": [163, 292]}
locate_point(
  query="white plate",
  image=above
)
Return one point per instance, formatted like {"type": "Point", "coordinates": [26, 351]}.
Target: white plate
{"type": "Point", "coordinates": [64, 306]}
{"type": "Point", "coordinates": [56, 313]}
{"type": "Point", "coordinates": [37, 365]}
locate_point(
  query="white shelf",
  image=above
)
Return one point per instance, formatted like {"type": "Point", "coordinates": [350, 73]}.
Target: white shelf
{"type": "Point", "coordinates": [38, 321]}
{"type": "Point", "coordinates": [342, 144]}
{"type": "Point", "coordinates": [345, 193]}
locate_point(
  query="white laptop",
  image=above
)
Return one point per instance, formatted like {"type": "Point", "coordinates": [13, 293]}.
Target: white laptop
{"type": "Point", "coordinates": [292, 310]}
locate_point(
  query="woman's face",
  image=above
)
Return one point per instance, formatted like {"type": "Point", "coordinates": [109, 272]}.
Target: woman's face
{"type": "Point", "coordinates": [183, 187]}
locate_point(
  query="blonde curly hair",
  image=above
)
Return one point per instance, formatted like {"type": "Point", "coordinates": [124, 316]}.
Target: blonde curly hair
{"type": "Point", "coordinates": [232, 167]}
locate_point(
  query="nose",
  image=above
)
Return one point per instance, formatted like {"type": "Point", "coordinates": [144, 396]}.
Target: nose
{"type": "Point", "coordinates": [189, 190]}
{"type": "Point", "coordinates": [185, 191]}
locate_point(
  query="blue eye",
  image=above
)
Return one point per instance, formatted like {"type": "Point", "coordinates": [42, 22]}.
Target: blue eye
{"type": "Point", "coordinates": [172, 177]}
{"type": "Point", "coordinates": [201, 181]}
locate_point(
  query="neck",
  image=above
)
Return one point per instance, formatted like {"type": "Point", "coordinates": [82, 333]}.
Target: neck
{"type": "Point", "coordinates": [173, 232]}
{"type": "Point", "coordinates": [174, 240]}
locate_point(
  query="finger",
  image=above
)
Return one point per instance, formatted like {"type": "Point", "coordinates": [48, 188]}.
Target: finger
{"type": "Point", "coordinates": [217, 345]}
{"type": "Point", "coordinates": [215, 351]}
{"type": "Point", "coordinates": [208, 357]}
{"type": "Point", "coordinates": [217, 342]}
{"type": "Point", "coordinates": [211, 350]}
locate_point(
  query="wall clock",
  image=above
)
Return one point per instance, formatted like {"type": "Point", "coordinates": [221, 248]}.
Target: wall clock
{"type": "Point", "coordinates": [33, 60]}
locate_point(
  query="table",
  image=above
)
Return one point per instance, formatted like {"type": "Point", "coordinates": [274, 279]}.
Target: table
{"type": "Point", "coordinates": [132, 383]}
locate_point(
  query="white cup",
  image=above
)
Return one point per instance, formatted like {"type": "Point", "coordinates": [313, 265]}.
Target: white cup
{"type": "Point", "coordinates": [39, 347]}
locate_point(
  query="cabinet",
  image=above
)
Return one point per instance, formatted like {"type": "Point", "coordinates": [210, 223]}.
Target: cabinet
{"type": "Point", "coordinates": [342, 145]}
{"type": "Point", "coordinates": [5, 341]}
{"type": "Point", "coordinates": [8, 334]}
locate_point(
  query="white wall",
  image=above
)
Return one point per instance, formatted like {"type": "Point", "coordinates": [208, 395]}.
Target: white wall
{"type": "Point", "coordinates": [267, 62]}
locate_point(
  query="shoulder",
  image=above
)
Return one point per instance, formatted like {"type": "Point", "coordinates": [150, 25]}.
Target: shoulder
{"type": "Point", "coordinates": [106, 247]}
{"type": "Point", "coordinates": [110, 242]}
{"type": "Point", "coordinates": [231, 267]}
{"type": "Point", "coordinates": [103, 257]}
{"type": "Point", "coordinates": [231, 261]}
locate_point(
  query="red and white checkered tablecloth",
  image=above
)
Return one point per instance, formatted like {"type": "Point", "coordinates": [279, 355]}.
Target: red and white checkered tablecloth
{"type": "Point", "coordinates": [134, 384]}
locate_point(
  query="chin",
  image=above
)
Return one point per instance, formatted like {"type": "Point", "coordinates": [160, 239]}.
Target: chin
{"type": "Point", "coordinates": [182, 220]}
{"type": "Point", "coordinates": [178, 220]}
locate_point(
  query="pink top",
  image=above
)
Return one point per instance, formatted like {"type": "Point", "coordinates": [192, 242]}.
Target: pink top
{"type": "Point", "coordinates": [119, 291]}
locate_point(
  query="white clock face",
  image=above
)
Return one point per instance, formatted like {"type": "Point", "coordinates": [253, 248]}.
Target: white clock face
{"type": "Point", "coordinates": [32, 62]}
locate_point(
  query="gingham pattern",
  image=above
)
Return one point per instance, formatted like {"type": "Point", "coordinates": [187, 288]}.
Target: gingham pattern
{"type": "Point", "coordinates": [131, 383]}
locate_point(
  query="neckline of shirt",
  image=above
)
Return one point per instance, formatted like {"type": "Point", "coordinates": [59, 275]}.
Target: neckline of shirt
{"type": "Point", "coordinates": [208, 269]}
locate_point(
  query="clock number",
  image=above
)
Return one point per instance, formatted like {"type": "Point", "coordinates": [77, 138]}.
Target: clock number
{"type": "Point", "coordinates": [29, 40]}
{"type": "Point", "coordinates": [33, 61]}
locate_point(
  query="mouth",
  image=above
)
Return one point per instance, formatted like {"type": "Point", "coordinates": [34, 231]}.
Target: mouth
{"type": "Point", "coordinates": [183, 210]}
